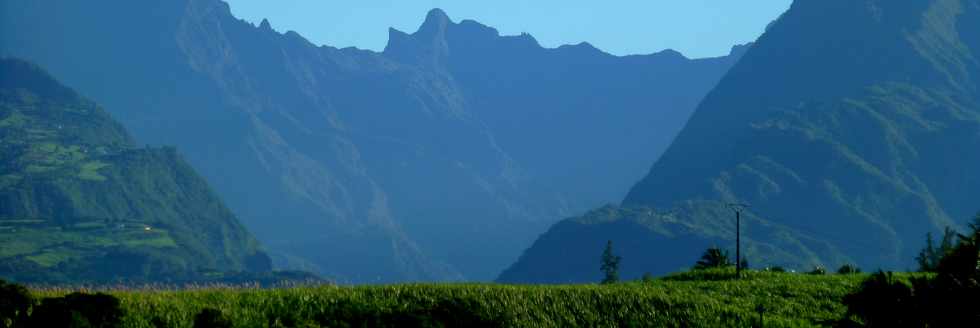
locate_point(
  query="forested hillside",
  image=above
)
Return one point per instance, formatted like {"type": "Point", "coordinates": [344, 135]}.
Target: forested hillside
{"type": "Point", "coordinates": [79, 202]}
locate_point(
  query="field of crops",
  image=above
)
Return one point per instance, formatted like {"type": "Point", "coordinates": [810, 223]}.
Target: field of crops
{"type": "Point", "coordinates": [689, 299]}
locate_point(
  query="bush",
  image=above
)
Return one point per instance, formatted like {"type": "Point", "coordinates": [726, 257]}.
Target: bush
{"type": "Point", "coordinates": [78, 310]}
{"type": "Point", "coordinates": [648, 278]}
{"type": "Point", "coordinates": [880, 300]}
{"type": "Point", "coordinates": [776, 269]}
{"type": "Point", "coordinates": [818, 270]}
{"type": "Point", "coordinates": [15, 303]}
{"type": "Point", "coordinates": [211, 318]}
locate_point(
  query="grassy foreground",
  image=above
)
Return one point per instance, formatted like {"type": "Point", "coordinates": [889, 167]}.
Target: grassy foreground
{"type": "Point", "coordinates": [699, 299]}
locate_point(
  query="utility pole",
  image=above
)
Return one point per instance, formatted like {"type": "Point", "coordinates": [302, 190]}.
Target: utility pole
{"type": "Point", "coordinates": [738, 208]}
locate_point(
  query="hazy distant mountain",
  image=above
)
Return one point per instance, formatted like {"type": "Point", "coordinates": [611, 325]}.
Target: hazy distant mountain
{"type": "Point", "coordinates": [440, 158]}
{"type": "Point", "coordinates": [851, 127]}
{"type": "Point", "coordinates": [78, 202]}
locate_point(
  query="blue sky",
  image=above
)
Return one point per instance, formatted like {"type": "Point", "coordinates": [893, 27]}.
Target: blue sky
{"type": "Point", "coordinates": [697, 28]}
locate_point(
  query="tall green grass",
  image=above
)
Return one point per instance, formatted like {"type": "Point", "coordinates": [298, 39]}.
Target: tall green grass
{"type": "Point", "coordinates": [700, 299]}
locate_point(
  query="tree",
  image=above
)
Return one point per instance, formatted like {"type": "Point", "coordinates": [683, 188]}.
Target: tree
{"type": "Point", "coordinates": [929, 257]}
{"type": "Point", "coordinates": [713, 258]}
{"type": "Point", "coordinates": [610, 265]}
{"type": "Point", "coordinates": [848, 269]}
{"type": "Point", "coordinates": [946, 299]}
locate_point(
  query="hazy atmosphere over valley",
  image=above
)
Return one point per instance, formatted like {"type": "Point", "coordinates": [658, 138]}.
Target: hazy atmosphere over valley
{"type": "Point", "coordinates": [671, 154]}
{"type": "Point", "coordinates": [440, 158]}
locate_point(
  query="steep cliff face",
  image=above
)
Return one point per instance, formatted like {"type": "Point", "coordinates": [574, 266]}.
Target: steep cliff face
{"type": "Point", "coordinates": [78, 202]}
{"type": "Point", "coordinates": [438, 159]}
{"type": "Point", "coordinates": [855, 135]}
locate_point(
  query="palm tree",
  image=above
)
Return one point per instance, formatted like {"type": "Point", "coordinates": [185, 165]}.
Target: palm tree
{"type": "Point", "coordinates": [713, 258]}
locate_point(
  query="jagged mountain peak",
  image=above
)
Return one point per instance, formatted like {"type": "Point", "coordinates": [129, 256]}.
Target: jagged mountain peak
{"type": "Point", "coordinates": [321, 150]}
{"type": "Point", "coordinates": [436, 19]}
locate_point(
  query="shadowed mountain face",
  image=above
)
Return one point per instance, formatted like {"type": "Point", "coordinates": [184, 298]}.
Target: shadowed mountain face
{"type": "Point", "coordinates": [438, 159]}
{"type": "Point", "coordinates": [80, 203]}
{"type": "Point", "coordinates": [851, 127]}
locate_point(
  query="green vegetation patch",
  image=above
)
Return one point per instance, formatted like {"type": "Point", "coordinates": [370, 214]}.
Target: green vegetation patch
{"type": "Point", "coordinates": [789, 300]}
{"type": "Point", "coordinates": [50, 258]}
{"type": "Point", "coordinates": [90, 171]}
{"type": "Point", "coordinates": [49, 246]}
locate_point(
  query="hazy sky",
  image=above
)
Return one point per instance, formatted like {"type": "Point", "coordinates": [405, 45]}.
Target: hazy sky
{"type": "Point", "coordinates": [697, 28]}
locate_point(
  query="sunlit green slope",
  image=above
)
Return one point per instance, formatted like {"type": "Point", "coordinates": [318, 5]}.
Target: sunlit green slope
{"type": "Point", "coordinates": [79, 202]}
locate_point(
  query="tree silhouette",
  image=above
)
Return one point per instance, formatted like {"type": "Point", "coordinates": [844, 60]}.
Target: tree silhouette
{"type": "Point", "coordinates": [78, 310]}
{"type": "Point", "coordinates": [610, 265]}
{"type": "Point", "coordinates": [713, 258]}
{"type": "Point", "coordinates": [947, 299]}
{"type": "Point", "coordinates": [879, 299]}
{"type": "Point", "coordinates": [15, 303]}
{"type": "Point", "coordinates": [848, 269]}
{"type": "Point", "coordinates": [929, 257]}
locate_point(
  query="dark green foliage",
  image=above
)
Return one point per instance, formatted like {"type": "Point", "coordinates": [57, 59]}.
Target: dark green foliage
{"type": "Point", "coordinates": [946, 299]}
{"type": "Point", "coordinates": [609, 265]}
{"type": "Point", "coordinates": [818, 270]}
{"type": "Point", "coordinates": [456, 312]}
{"type": "Point", "coordinates": [880, 301]}
{"type": "Point", "coordinates": [77, 310]}
{"type": "Point", "coordinates": [744, 264]}
{"type": "Point", "coordinates": [776, 269]}
{"type": "Point", "coordinates": [929, 257]}
{"type": "Point", "coordinates": [15, 303]}
{"type": "Point", "coordinates": [211, 318]}
{"type": "Point", "coordinates": [713, 257]}
{"type": "Point", "coordinates": [647, 278]}
{"type": "Point", "coordinates": [848, 269]}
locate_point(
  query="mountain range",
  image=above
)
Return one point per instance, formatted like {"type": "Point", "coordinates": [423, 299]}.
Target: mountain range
{"type": "Point", "coordinates": [440, 158]}
{"type": "Point", "coordinates": [850, 138]}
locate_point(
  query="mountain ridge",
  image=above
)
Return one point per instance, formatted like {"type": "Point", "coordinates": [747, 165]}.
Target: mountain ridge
{"type": "Point", "coordinates": [450, 184]}
{"type": "Point", "coordinates": [853, 139]}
